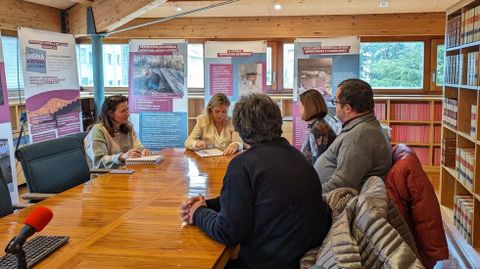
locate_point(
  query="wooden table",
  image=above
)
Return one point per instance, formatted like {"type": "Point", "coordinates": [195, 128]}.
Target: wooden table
{"type": "Point", "coordinates": [132, 221]}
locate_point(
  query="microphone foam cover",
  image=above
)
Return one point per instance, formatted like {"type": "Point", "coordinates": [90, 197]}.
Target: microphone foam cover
{"type": "Point", "coordinates": [39, 218]}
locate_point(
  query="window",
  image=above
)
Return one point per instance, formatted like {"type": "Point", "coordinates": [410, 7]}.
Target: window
{"type": "Point", "coordinates": [392, 65]}
{"type": "Point", "coordinates": [269, 66]}
{"type": "Point", "coordinates": [83, 55]}
{"type": "Point", "coordinates": [288, 65]}
{"type": "Point", "coordinates": [13, 70]}
{"type": "Point", "coordinates": [440, 65]}
{"type": "Point", "coordinates": [195, 66]}
{"type": "Point", "coordinates": [85, 69]}
{"type": "Point", "coordinates": [117, 72]}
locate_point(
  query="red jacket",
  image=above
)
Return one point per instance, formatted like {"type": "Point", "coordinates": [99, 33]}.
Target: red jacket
{"type": "Point", "coordinates": [413, 194]}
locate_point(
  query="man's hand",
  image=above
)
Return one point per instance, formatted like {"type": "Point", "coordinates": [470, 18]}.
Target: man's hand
{"type": "Point", "coordinates": [198, 202]}
{"type": "Point", "coordinates": [231, 149]}
{"type": "Point", "coordinates": [188, 207]}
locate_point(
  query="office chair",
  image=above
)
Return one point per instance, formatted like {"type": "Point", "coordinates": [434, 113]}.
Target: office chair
{"type": "Point", "coordinates": [6, 207]}
{"type": "Point", "coordinates": [54, 166]}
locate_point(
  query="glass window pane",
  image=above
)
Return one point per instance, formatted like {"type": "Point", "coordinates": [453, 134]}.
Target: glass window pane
{"type": "Point", "coordinates": [115, 71]}
{"type": "Point", "coordinates": [288, 65]}
{"type": "Point", "coordinates": [13, 71]}
{"type": "Point", "coordinates": [440, 64]}
{"type": "Point", "coordinates": [269, 66]}
{"type": "Point", "coordinates": [195, 66]}
{"type": "Point", "coordinates": [85, 68]}
{"type": "Point", "coordinates": [392, 65]}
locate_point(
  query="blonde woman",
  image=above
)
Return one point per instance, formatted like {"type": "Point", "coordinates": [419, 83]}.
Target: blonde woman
{"type": "Point", "coordinates": [214, 129]}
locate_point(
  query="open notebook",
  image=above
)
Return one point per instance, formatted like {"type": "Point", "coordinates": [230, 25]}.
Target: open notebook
{"type": "Point", "coordinates": [209, 152]}
{"type": "Point", "coordinates": [152, 159]}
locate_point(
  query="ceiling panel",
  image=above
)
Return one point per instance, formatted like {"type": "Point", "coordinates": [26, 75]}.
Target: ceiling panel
{"type": "Point", "coordinates": [260, 8]}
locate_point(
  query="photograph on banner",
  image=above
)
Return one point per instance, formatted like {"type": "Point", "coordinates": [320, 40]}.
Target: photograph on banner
{"type": "Point", "coordinates": [52, 92]}
{"type": "Point", "coordinates": [235, 68]}
{"type": "Point", "coordinates": [250, 77]}
{"type": "Point", "coordinates": [158, 75]}
{"type": "Point", "coordinates": [316, 74]}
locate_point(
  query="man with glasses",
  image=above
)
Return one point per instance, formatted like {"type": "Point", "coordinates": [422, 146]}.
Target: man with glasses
{"type": "Point", "coordinates": [361, 149]}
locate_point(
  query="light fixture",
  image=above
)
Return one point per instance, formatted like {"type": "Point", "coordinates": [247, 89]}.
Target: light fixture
{"type": "Point", "coordinates": [277, 6]}
{"type": "Point", "coordinates": [178, 9]}
{"type": "Point", "coordinates": [383, 4]}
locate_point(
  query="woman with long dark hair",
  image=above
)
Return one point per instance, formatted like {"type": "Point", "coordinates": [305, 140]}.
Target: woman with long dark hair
{"type": "Point", "coordinates": [112, 139]}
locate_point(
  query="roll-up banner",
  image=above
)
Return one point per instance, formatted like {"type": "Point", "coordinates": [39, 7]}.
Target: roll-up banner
{"type": "Point", "coordinates": [52, 92]}
{"type": "Point", "coordinates": [321, 64]}
{"type": "Point", "coordinates": [157, 92]}
{"type": "Point", "coordinates": [7, 159]}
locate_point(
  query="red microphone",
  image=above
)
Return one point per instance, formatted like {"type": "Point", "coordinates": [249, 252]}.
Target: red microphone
{"type": "Point", "coordinates": [34, 222]}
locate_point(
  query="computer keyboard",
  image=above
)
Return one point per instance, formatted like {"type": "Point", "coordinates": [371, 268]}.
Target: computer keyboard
{"type": "Point", "coordinates": [35, 250]}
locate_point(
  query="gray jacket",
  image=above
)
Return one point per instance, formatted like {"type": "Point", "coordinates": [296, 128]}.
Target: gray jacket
{"type": "Point", "coordinates": [367, 231]}
{"type": "Point", "coordinates": [360, 150]}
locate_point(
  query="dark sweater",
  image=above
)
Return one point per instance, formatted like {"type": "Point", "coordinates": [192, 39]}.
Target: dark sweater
{"type": "Point", "coordinates": [271, 204]}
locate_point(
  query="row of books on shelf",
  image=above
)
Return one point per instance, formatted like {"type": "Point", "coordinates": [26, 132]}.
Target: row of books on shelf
{"type": "Point", "coordinates": [465, 164]}
{"type": "Point", "coordinates": [450, 109]}
{"type": "Point", "coordinates": [437, 156]}
{"type": "Point", "coordinates": [423, 154]}
{"type": "Point", "coordinates": [472, 68]}
{"type": "Point", "coordinates": [463, 215]}
{"type": "Point", "coordinates": [437, 111]}
{"type": "Point", "coordinates": [470, 25]}
{"type": "Point", "coordinates": [473, 121]}
{"type": "Point", "coordinates": [437, 134]}
{"type": "Point", "coordinates": [410, 133]}
{"type": "Point", "coordinates": [448, 147]}
{"type": "Point", "coordinates": [410, 111]}
{"type": "Point", "coordinates": [454, 33]}
{"type": "Point", "coordinates": [380, 111]}
{"type": "Point", "coordinates": [453, 68]}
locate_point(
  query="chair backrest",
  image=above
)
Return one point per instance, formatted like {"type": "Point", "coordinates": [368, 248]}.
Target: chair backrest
{"type": "Point", "coordinates": [6, 207]}
{"type": "Point", "coordinates": [54, 166]}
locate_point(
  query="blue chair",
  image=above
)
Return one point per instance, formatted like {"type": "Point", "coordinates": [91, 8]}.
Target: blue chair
{"type": "Point", "coordinates": [6, 207]}
{"type": "Point", "coordinates": [54, 166]}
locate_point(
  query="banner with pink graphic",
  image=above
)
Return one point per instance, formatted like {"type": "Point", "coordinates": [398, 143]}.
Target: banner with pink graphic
{"type": "Point", "coordinates": [7, 159]}
{"type": "Point", "coordinates": [157, 92]}
{"type": "Point", "coordinates": [52, 92]}
{"type": "Point", "coordinates": [235, 68]}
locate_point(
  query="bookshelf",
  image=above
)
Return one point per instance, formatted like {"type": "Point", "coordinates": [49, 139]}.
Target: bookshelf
{"type": "Point", "coordinates": [415, 121]}
{"type": "Point", "coordinates": [460, 141]}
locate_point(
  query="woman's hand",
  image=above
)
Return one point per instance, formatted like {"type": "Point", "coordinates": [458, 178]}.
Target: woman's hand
{"type": "Point", "coordinates": [146, 152]}
{"type": "Point", "coordinates": [132, 153]}
{"type": "Point", "coordinates": [201, 144]}
{"type": "Point", "coordinates": [232, 148]}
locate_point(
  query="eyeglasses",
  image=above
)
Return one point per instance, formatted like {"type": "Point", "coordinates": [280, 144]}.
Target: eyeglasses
{"type": "Point", "coordinates": [334, 101]}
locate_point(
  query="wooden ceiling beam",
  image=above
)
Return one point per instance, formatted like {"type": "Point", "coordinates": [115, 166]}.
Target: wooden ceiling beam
{"type": "Point", "coordinates": [15, 13]}
{"type": "Point", "coordinates": [109, 14]}
{"type": "Point", "coordinates": [407, 24]}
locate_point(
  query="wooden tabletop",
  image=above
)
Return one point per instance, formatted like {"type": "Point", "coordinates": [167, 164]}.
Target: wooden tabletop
{"type": "Point", "coordinates": [132, 221]}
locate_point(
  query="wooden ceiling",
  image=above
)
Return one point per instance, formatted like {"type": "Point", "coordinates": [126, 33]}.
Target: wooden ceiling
{"type": "Point", "coordinates": [264, 8]}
